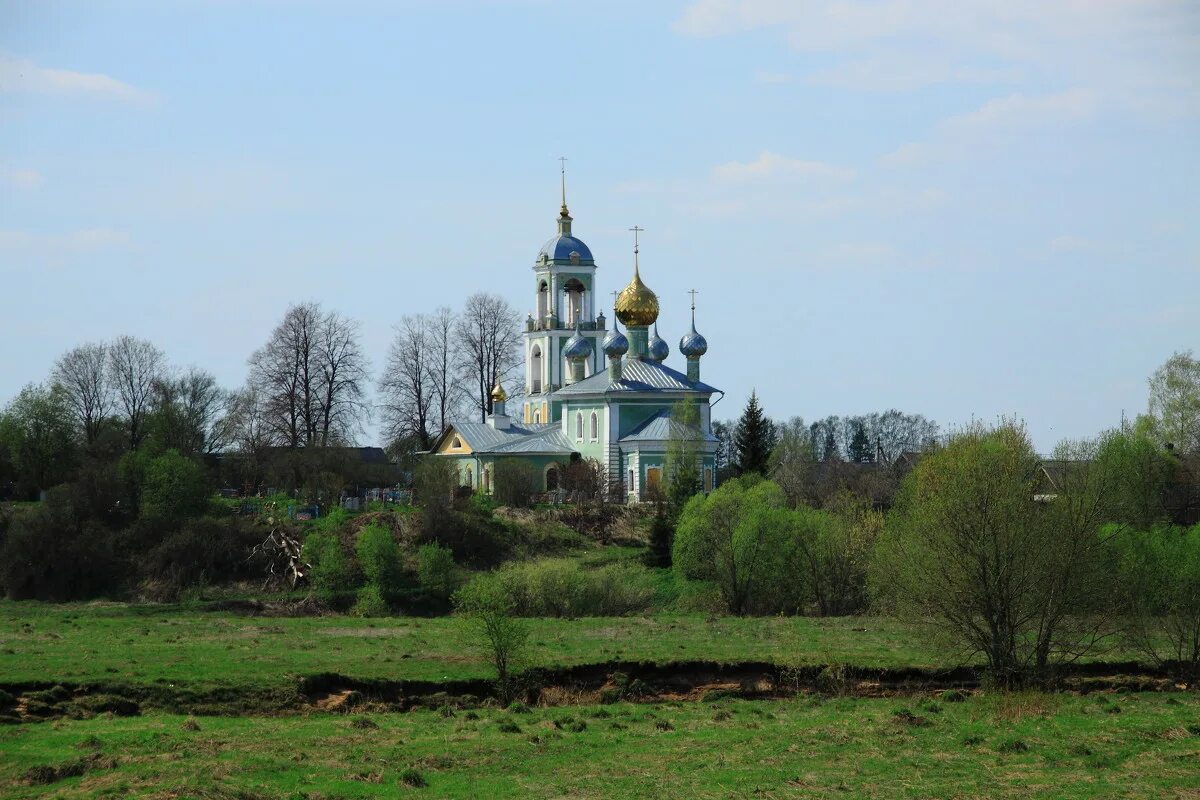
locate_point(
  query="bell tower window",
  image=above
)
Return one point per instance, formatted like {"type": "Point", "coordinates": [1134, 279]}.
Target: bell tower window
{"type": "Point", "coordinates": [574, 291]}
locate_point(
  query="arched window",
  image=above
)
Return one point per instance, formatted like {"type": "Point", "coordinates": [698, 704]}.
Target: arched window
{"type": "Point", "coordinates": [487, 479]}
{"type": "Point", "coordinates": [456, 444]}
{"type": "Point", "coordinates": [594, 428]}
{"type": "Point", "coordinates": [537, 416]}
{"type": "Point", "coordinates": [543, 302]}
{"type": "Point", "coordinates": [470, 477]}
{"type": "Point", "coordinates": [551, 479]}
{"type": "Point", "coordinates": [574, 306]}
{"type": "Point", "coordinates": [629, 488]}
{"type": "Point", "coordinates": [535, 370]}
{"type": "Point", "coordinates": [578, 424]}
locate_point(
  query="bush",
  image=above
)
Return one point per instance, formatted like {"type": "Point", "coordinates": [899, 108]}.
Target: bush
{"type": "Point", "coordinates": [562, 588]}
{"type": "Point", "coordinates": [203, 551]}
{"type": "Point", "coordinates": [329, 571]}
{"type": "Point", "coordinates": [379, 558]}
{"type": "Point", "coordinates": [49, 555]}
{"type": "Point", "coordinates": [516, 481]}
{"type": "Point", "coordinates": [174, 487]}
{"type": "Point", "coordinates": [1160, 578]}
{"type": "Point", "coordinates": [436, 570]}
{"type": "Point", "coordinates": [370, 602]}
{"type": "Point", "coordinates": [740, 538]}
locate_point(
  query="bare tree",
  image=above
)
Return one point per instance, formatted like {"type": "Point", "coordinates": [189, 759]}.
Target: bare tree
{"type": "Point", "coordinates": [310, 377]}
{"type": "Point", "coordinates": [191, 413]}
{"type": "Point", "coordinates": [490, 337]}
{"type": "Point", "coordinates": [342, 378]}
{"type": "Point", "coordinates": [406, 386]}
{"type": "Point", "coordinates": [446, 392]}
{"type": "Point", "coordinates": [134, 367]}
{"type": "Point", "coordinates": [83, 374]}
{"type": "Point", "coordinates": [249, 428]}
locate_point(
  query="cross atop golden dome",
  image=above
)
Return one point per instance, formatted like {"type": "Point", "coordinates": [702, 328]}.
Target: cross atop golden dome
{"type": "Point", "coordinates": [636, 305]}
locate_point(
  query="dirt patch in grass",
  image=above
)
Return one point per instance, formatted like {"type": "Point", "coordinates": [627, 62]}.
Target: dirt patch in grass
{"type": "Point", "coordinates": [686, 681]}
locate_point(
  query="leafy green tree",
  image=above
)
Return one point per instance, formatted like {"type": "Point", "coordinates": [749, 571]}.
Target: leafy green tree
{"type": "Point", "coordinates": [1175, 402]}
{"type": "Point", "coordinates": [488, 614]}
{"type": "Point", "coordinates": [1160, 578]}
{"type": "Point", "coordinates": [754, 438]}
{"type": "Point", "coordinates": [37, 429]}
{"type": "Point", "coordinates": [1000, 574]}
{"type": "Point", "coordinates": [174, 487]}
{"type": "Point", "coordinates": [683, 461]}
{"type": "Point", "coordinates": [736, 539]}
{"type": "Point", "coordinates": [379, 558]}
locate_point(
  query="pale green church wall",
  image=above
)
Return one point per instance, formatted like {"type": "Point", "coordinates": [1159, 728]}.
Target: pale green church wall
{"type": "Point", "coordinates": [586, 447]}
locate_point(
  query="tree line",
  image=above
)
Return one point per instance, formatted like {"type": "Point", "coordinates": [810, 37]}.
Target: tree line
{"type": "Point", "coordinates": [308, 387]}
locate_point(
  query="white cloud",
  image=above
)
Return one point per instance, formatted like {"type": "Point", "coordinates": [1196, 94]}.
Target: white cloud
{"type": "Point", "coordinates": [996, 119]}
{"type": "Point", "coordinates": [21, 178]}
{"type": "Point", "coordinates": [772, 166]}
{"type": "Point", "coordinates": [1131, 46]}
{"type": "Point", "coordinates": [22, 75]}
{"type": "Point", "coordinates": [896, 72]}
{"type": "Point", "coordinates": [55, 248]}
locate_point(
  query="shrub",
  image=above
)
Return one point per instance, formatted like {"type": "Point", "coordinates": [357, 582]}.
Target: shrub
{"type": "Point", "coordinates": [739, 538]}
{"type": "Point", "coordinates": [203, 551]}
{"type": "Point", "coordinates": [330, 569]}
{"type": "Point", "coordinates": [1160, 578]}
{"type": "Point", "coordinates": [49, 555]}
{"type": "Point", "coordinates": [516, 481]}
{"type": "Point", "coordinates": [379, 558]}
{"type": "Point", "coordinates": [370, 602]}
{"type": "Point", "coordinates": [436, 570]}
{"type": "Point", "coordinates": [563, 588]}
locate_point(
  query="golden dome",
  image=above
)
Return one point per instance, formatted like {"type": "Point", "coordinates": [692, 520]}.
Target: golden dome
{"type": "Point", "coordinates": [498, 393]}
{"type": "Point", "coordinates": [636, 305]}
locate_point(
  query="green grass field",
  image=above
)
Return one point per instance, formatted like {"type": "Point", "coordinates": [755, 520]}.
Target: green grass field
{"type": "Point", "coordinates": [139, 644]}
{"type": "Point", "coordinates": [1136, 745]}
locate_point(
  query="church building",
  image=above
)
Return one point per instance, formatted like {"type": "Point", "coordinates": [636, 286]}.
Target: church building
{"type": "Point", "coordinates": [590, 392]}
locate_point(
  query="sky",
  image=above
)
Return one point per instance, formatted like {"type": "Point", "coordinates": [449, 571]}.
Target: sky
{"type": "Point", "coordinates": [959, 208]}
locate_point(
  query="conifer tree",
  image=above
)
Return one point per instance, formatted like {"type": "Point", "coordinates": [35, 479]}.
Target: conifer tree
{"type": "Point", "coordinates": [860, 451]}
{"type": "Point", "coordinates": [754, 438]}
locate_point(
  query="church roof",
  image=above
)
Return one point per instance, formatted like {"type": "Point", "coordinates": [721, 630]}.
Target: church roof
{"type": "Point", "coordinates": [637, 376]}
{"type": "Point", "coordinates": [543, 438]}
{"type": "Point", "coordinates": [560, 248]}
{"type": "Point", "coordinates": [661, 428]}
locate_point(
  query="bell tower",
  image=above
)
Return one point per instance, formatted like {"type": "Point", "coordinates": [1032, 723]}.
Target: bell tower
{"type": "Point", "coordinates": [565, 301]}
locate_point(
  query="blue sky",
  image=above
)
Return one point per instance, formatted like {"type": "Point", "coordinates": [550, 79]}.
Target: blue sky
{"type": "Point", "coordinates": [962, 208]}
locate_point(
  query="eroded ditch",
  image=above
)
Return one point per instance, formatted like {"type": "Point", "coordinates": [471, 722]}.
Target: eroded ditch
{"type": "Point", "coordinates": [587, 684]}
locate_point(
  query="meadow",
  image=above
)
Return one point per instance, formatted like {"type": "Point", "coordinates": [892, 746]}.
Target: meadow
{"type": "Point", "coordinates": [124, 643]}
{"type": "Point", "coordinates": [994, 746]}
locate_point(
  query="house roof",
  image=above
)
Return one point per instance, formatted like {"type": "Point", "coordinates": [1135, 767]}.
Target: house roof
{"type": "Point", "coordinates": [637, 375]}
{"type": "Point", "coordinates": [661, 427]}
{"type": "Point", "coordinates": [517, 438]}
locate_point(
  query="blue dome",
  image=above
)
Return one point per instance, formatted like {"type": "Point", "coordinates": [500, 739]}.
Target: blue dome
{"type": "Point", "coordinates": [560, 248]}
{"type": "Point", "coordinates": [658, 348]}
{"type": "Point", "coordinates": [615, 344]}
{"type": "Point", "coordinates": [693, 345]}
{"type": "Point", "coordinates": [577, 346]}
